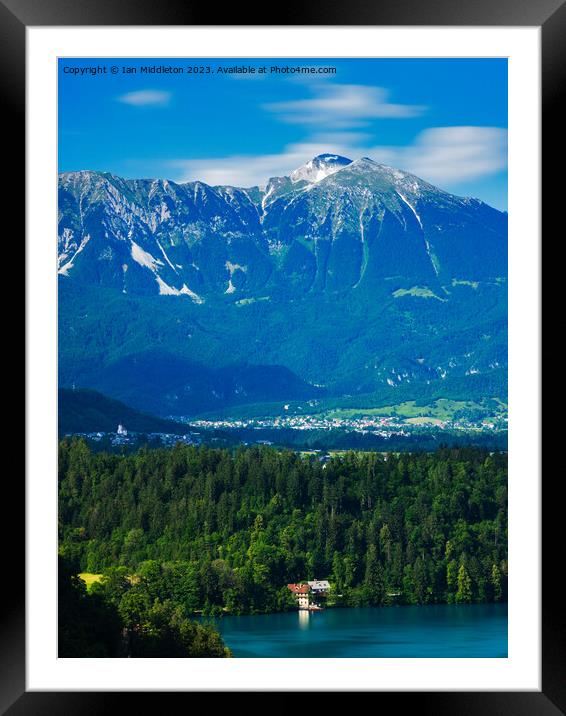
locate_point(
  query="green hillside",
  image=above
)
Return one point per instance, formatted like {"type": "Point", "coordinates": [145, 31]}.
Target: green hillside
{"type": "Point", "coordinates": [88, 411]}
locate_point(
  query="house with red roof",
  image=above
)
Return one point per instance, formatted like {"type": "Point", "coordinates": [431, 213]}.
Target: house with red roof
{"type": "Point", "coordinates": [301, 593]}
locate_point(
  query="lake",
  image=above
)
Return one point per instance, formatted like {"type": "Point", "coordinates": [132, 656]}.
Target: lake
{"type": "Point", "coordinates": [478, 630]}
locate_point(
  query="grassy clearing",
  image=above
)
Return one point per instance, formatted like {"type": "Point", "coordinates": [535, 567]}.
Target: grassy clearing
{"type": "Point", "coordinates": [411, 411]}
{"type": "Point", "coordinates": [89, 579]}
{"type": "Point", "coordinates": [418, 292]}
{"type": "Point", "coordinates": [424, 420]}
{"type": "Point", "coordinates": [441, 409]}
{"type": "Point", "coordinates": [249, 301]}
{"type": "Point", "coordinates": [472, 284]}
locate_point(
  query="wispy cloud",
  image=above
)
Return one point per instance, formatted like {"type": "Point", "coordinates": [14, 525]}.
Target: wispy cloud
{"type": "Point", "coordinates": [450, 154]}
{"type": "Point", "coordinates": [342, 106]}
{"type": "Point", "coordinates": [143, 98]}
{"type": "Point", "coordinates": [338, 118]}
{"type": "Point", "coordinates": [443, 155]}
{"type": "Point", "coordinates": [245, 170]}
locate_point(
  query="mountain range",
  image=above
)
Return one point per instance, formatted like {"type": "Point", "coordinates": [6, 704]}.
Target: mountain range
{"type": "Point", "coordinates": [343, 279]}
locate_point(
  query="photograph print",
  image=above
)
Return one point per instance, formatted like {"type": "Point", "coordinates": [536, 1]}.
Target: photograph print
{"type": "Point", "coordinates": [282, 357]}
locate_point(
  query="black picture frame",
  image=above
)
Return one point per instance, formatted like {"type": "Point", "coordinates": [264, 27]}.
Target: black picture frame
{"type": "Point", "coordinates": [550, 16]}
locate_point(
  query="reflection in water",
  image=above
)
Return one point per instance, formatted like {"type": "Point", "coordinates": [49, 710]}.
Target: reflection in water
{"type": "Point", "coordinates": [304, 617]}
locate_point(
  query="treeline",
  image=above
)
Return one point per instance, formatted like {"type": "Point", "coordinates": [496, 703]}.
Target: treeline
{"type": "Point", "coordinates": [344, 439]}
{"type": "Point", "coordinates": [215, 530]}
{"type": "Point", "coordinates": [322, 440]}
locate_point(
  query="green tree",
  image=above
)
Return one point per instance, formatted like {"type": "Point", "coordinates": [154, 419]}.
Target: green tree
{"type": "Point", "coordinates": [464, 592]}
{"type": "Point", "coordinates": [496, 581]}
{"type": "Point", "coordinates": [374, 582]}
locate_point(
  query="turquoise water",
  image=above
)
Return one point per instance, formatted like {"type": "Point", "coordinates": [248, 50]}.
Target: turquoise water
{"type": "Point", "coordinates": [478, 630]}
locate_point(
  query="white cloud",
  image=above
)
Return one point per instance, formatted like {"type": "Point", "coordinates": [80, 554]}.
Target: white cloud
{"type": "Point", "coordinates": [342, 106]}
{"type": "Point", "coordinates": [246, 170]}
{"type": "Point", "coordinates": [442, 155]}
{"type": "Point", "coordinates": [143, 98]}
{"type": "Point", "coordinates": [450, 154]}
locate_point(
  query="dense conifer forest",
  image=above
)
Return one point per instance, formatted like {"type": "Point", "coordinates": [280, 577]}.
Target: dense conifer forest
{"type": "Point", "coordinates": [199, 530]}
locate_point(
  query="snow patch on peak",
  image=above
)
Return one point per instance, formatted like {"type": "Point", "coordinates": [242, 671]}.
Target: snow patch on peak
{"type": "Point", "coordinates": [187, 291]}
{"type": "Point", "coordinates": [166, 257]}
{"type": "Point", "coordinates": [64, 270]}
{"type": "Point", "coordinates": [144, 258]}
{"type": "Point", "coordinates": [319, 168]}
{"type": "Point", "coordinates": [269, 192]}
{"type": "Point", "coordinates": [235, 267]}
{"type": "Point", "coordinates": [411, 207]}
{"type": "Point", "coordinates": [166, 290]}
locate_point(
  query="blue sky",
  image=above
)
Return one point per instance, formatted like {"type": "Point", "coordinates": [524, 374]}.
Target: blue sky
{"type": "Point", "coordinates": [442, 119]}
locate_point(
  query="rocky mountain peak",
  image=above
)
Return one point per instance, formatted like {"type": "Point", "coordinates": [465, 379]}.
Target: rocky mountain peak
{"type": "Point", "coordinates": [319, 168]}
